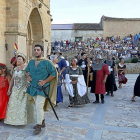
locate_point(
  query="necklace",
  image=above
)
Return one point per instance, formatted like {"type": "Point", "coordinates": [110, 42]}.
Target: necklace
{"type": "Point", "coordinates": [19, 68]}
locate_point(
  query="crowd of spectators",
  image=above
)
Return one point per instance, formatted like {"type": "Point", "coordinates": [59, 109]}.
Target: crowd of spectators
{"type": "Point", "coordinates": [117, 47]}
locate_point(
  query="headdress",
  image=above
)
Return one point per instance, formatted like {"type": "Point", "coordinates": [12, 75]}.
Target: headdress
{"type": "Point", "coordinates": [22, 55]}
{"type": "Point", "coordinates": [1, 64]}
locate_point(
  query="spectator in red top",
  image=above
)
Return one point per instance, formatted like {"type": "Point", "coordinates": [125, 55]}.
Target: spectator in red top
{"type": "Point", "coordinates": [67, 42]}
{"type": "Point", "coordinates": [97, 38]}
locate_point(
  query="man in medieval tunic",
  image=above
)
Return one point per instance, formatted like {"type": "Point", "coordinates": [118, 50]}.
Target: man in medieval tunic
{"type": "Point", "coordinates": [100, 72]}
{"type": "Point", "coordinates": [110, 82]}
{"type": "Point", "coordinates": [62, 65]}
{"type": "Point", "coordinates": [83, 64]}
{"type": "Point", "coordinates": [41, 73]}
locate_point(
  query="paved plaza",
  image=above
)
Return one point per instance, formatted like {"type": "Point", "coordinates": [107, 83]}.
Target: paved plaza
{"type": "Point", "coordinates": [117, 119]}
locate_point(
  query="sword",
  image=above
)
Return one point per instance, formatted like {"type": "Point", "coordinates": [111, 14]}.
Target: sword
{"type": "Point", "coordinates": [45, 92]}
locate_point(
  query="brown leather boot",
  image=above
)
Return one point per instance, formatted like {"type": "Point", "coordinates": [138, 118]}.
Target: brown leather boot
{"type": "Point", "coordinates": [37, 130]}
{"type": "Point", "coordinates": [43, 124]}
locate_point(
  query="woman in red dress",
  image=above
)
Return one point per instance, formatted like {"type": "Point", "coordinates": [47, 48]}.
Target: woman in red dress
{"type": "Point", "coordinates": [4, 85]}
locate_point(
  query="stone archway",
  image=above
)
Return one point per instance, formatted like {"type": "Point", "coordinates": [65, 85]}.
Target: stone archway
{"type": "Point", "coordinates": [34, 32]}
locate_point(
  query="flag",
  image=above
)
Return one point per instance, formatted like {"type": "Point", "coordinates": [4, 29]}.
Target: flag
{"type": "Point", "coordinates": [15, 46]}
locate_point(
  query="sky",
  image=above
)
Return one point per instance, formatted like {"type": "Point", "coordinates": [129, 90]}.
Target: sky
{"type": "Point", "coordinates": [91, 11]}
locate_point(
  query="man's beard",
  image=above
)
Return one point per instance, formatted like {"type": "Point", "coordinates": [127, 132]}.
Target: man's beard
{"type": "Point", "coordinates": [38, 56]}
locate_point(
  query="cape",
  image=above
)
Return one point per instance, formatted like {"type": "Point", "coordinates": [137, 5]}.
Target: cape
{"type": "Point", "coordinates": [53, 88]}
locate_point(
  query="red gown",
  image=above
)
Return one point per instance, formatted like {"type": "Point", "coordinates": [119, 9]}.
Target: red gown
{"type": "Point", "coordinates": [100, 87]}
{"type": "Point", "coordinates": [97, 85]}
{"type": "Point", "coordinates": [4, 98]}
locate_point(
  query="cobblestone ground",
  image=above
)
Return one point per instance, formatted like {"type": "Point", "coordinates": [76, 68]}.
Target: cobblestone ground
{"type": "Point", "coordinates": [117, 119]}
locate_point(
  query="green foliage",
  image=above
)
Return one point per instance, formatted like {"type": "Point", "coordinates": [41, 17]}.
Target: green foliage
{"type": "Point", "coordinates": [117, 62]}
{"type": "Point", "coordinates": [134, 60]}
{"type": "Point", "coordinates": [127, 61]}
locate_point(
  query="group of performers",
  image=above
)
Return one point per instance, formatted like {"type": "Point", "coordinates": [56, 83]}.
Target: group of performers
{"type": "Point", "coordinates": [26, 85]}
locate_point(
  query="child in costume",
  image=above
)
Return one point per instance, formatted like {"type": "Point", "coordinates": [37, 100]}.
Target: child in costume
{"type": "Point", "coordinates": [5, 78]}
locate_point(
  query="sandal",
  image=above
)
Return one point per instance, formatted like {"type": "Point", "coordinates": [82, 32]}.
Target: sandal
{"type": "Point", "coordinates": [132, 100]}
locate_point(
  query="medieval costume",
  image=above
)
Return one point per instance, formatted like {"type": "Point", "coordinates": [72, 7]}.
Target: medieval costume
{"type": "Point", "coordinates": [62, 64]}
{"type": "Point", "coordinates": [83, 64]}
{"type": "Point", "coordinates": [121, 74]}
{"type": "Point", "coordinates": [14, 62]}
{"type": "Point", "coordinates": [14, 59]}
{"type": "Point", "coordinates": [4, 85]}
{"type": "Point", "coordinates": [100, 72]}
{"type": "Point", "coordinates": [77, 92]}
{"type": "Point", "coordinates": [110, 82]}
{"type": "Point", "coordinates": [59, 81]}
{"type": "Point", "coordinates": [42, 71]}
{"type": "Point", "coordinates": [19, 111]}
{"type": "Point", "coordinates": [136, 88]}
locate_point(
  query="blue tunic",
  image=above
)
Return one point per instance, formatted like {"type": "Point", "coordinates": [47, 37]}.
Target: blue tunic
{"type": "Point", "coordinates": [41, 72]}
{"type": "Point", "coordinates": [62, 64]}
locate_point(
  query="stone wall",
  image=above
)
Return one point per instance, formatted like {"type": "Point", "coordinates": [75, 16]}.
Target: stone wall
{"type": "Point", "coordinates": [71, 34]}
{"type": "Point", "coordinates": [132, 68]}
{"type": "Point", "coordinates": [15, 17]}
{"type": "Point", "coordinates": [120, 28]}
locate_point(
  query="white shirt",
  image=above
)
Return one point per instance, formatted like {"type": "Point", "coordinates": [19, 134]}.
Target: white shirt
{"type": "Point", "coordinates": [67, 62]}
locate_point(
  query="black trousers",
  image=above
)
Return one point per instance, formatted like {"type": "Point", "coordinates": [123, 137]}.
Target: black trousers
{"type": "Point", "coordinates": [97, 97]}
{"type": "Point", "coordinates": [112, 89]}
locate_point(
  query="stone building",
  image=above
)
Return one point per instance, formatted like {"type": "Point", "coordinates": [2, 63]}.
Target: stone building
{"type": "Point", "coordinates": [26, 23]}
{"type": "Point", "coordinates": [120, 26]}
{"type": "Point", "coordinates": [75, 31]}
{"type": "Point", "coordinates": [107, 27]}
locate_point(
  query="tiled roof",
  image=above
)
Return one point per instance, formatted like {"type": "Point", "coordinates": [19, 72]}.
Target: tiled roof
{"type": "Point", "coordinates": [122, 19]}
{"type": "Point", "coordinates": [87, 26]}
{"type": "Point", "coordinates": [76, 26]}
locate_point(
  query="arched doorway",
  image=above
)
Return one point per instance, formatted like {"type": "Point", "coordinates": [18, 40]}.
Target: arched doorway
{"type": "Point", "coordinates": [34, 32]}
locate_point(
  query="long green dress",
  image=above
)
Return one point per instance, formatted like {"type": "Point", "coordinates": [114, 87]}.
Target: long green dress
{"type": "Point", "coordinates": [19, 111]}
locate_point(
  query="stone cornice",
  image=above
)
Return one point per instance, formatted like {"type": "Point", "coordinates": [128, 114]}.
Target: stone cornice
{"type": "Point", "coordinates": [15, 33]}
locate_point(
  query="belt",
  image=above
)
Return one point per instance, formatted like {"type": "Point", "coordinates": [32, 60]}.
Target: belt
{"type": "Point", "coordinates": [41, 89]}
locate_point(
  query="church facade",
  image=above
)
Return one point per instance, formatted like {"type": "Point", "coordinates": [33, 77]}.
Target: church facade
{"type": "Point", "coordinates": [26, 23]}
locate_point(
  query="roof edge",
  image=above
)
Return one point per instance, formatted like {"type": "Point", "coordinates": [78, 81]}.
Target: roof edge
{"type": "Point", "coordinates": [105, 18]}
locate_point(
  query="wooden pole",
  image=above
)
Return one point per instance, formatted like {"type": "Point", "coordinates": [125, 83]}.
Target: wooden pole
{"type": "Point", "coordinates": [64, 82]}
{"type": "Point", "coordinates": [88, 68]}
